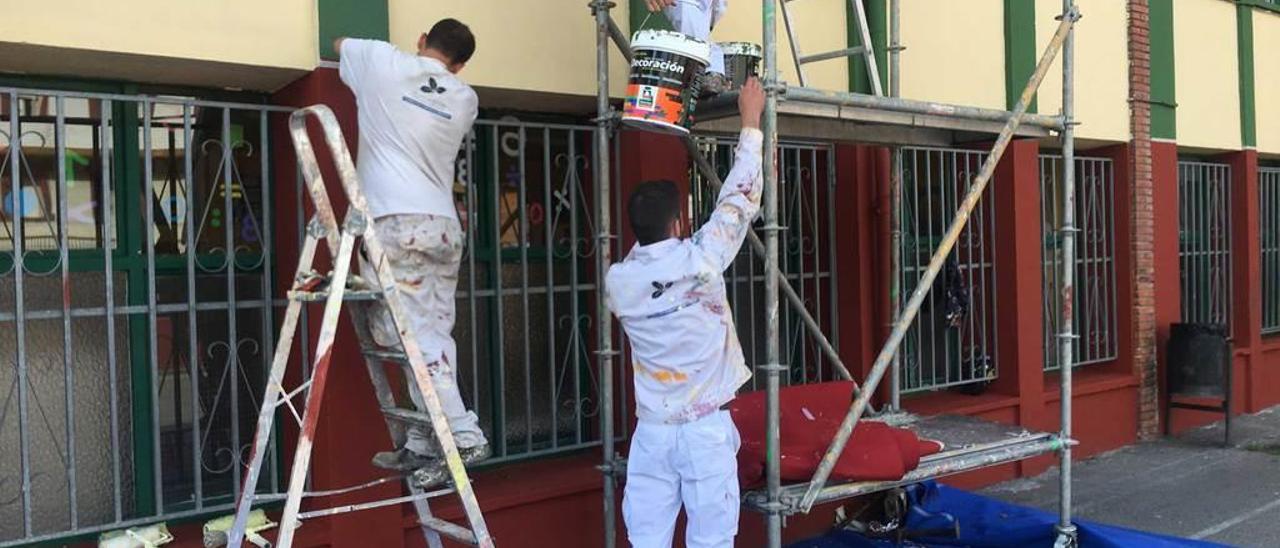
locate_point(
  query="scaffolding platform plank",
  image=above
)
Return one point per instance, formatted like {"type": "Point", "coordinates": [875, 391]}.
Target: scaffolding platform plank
{"type": "Point", "coordinates": [863, 118]}
{"type": "Point", "coordinates": [969, 444]}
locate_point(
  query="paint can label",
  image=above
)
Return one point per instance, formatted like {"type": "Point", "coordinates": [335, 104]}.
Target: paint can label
{"type": "Point", "coordinates": [662, 91]}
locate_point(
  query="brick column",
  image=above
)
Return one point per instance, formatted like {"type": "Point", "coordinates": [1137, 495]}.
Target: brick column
{"type": "Point", "coordinates": [1142, 223]}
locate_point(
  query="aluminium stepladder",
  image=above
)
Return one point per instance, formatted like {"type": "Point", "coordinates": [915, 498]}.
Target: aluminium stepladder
{"type": "Point", "coordinates": [859, 14]}
{"type": "Point", "coordinates": [335, 290]}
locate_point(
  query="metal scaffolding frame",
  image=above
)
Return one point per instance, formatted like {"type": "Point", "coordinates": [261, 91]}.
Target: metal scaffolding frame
{"type": "Point", "coordinates": [871, 118]}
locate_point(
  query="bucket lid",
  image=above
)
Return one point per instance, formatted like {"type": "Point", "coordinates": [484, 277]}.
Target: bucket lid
{"type": "Point", "coordinates": [672, 42]}
{"type": "Point", "coordinates": [742, 48]}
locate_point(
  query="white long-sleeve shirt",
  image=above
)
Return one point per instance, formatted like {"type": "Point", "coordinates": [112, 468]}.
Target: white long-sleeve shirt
{"type": "Point", "coordinates": [670, 298]}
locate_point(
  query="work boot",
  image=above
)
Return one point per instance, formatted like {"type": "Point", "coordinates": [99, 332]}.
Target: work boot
{"type": "Point", "coordinates": [714, 83]}
{"type": "Point", "coordinates": [400, 460]}
{"type": "Point", "coordinates": [437, 472]}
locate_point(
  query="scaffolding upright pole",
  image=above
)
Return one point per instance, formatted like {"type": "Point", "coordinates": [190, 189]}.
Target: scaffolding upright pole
{"type": "Point", "coordinates": [895, 210]}
{"type": "Point", "coordinates": [772, 366]}
{"type": "Point", "coordinates": [603, 237]}
{"type": "Point", "coordinates": [1066, 340]}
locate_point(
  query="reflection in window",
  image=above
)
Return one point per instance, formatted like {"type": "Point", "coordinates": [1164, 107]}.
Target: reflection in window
{"type": "Point", "coordinates": [31, 196]}
{"type": "Point", "coordinates": [225, 204]}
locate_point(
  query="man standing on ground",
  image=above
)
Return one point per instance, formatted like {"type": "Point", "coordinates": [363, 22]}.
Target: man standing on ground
{"type": "Point", "coordinates": [669, 295]}
{"type": "Point", "coordinates": [413, 114]}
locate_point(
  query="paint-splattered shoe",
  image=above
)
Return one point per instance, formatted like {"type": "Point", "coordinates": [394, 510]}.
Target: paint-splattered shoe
{"type": "Point", "coordinates": [437, 472]}
{"type": "Point", "coordinates": [400, 460]}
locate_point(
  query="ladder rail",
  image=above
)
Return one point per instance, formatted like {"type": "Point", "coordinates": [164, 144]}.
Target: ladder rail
{"type": "Point", "coordinates": [868, 53]}
{"type": "Point", "coordinates": [399, 432]}
{"type": "Point", "coordinates": [856, 10]}
{"type": "Point", "coordinates": [422, 378]}
{"type": "Point", "coordinates": [796, 56]}
{"type": "Point", "coordinates": [266, 416]}
{"type": "Point", "coordinates": [315, 395]}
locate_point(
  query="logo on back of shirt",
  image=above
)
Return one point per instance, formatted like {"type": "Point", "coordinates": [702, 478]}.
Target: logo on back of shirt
{"type": "Point", "coordinates": [660, 288]}
{"type": "Point", "coordinates": [432, 87]}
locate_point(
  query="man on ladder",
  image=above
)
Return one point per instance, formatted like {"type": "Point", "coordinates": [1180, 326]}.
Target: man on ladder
{"type": "Point", "coordinates": [413, 113]}
{"type": "Point", "coordinates": [669, 294]}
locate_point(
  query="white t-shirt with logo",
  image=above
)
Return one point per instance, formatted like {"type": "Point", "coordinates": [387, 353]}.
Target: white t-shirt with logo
{"type": "Point", "coordinates": [413, 115]}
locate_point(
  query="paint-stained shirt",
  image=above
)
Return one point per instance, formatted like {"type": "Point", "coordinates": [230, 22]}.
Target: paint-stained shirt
{"type": "Point", "coordinates": [670, 298]}
{"type": "Point", "coordinates": [413, 115]}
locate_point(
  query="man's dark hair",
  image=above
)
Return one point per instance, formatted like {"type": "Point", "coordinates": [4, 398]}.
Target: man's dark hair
{"type": "Point", "coordinates": [652, 207]}
{"type": "Point", "coordinates": [452, 38]}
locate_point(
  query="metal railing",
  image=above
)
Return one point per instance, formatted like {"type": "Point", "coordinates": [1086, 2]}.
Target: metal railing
{"type": "Point", "coordinates": [1269, 227]}
{"type": "Point", "coordinates": [806, 184]}
{"type": "Point", "coordinates": [953, 341]}
{"type": "Point", "coordinates": [1204, 241]}
{"type": "Point", "coordinates": [1095, 268]}
{"type": "Point", "coordinates": [163, 381]}
{"type": "Point", "coordinates": [527, 289]}
{"type": "Point", "coordinates": [137, 275]}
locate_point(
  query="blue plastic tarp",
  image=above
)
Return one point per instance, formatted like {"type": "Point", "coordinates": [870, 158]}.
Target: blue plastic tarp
{"type": "Point", "coordinates": [990, 523]}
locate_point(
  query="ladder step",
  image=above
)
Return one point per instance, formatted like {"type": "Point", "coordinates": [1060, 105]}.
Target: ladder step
{"type": "Point", "coordinates": [856, 50]}
{"type": "Point", "coordinates": [348, 508]}
{"type": "Point", "coordinates": [320, 296]}
{"type": "Point", "coordinates": [453, 531]}
{"type": "Point", "coordinates": [383, 354]}
{"type": "Point", "coordinates": [406, 415]}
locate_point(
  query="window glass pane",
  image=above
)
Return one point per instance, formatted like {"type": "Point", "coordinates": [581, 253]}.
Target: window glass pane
{"type": "Point", "coordinates": [224, 203]}
{"type": "Point", "coordinates": [36, 199]}
{"type": "Point", "coordinates": [209, 406]}
{"type": "Point", "coordinates": [50, 387]}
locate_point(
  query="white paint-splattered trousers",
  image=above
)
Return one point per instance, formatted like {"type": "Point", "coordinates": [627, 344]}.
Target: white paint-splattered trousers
{"type": "Point", "coordinates": [693, 463]}
{"type": "Point", "coordinates": [425, 252]}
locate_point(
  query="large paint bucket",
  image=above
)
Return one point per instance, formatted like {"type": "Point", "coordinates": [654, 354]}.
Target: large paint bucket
{"type": "Point", "coordinates": [741, 61]}
{"type": "Point", "coordinates": [666, 72]}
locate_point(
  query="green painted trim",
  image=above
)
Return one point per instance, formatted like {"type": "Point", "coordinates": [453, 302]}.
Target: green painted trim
{"type": "Point", "coordinates": [1244, 56]}
{"type": "Point", "coordinates": [1164, 121]}
{"type": "Point", "coordinates": [878, 26]}
{"type": "Point", "coordinates": [639, 18]}
{"type": "Point", "coordinates": [1020, 52]}
{"type": "Point", "coordinates": [130, 233]}
{"type": "Point", "coordinates": [355, 18]}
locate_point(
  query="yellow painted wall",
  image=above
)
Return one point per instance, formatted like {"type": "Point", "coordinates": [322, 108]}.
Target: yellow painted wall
{"type": "Point", "coordinates": [1207, 75]}
{"type": "Point", "coordinates": [1266, 71]}
{"type": "Point", "coordinates": [536, 46]}
{"type": "Point", "coordinates": [272, 33]}
{"type": "Point", "coordinates": [954, 51]}
{"type": "Point", "coordinates": [819, 26]}
{"type": "Point", "coordinates": [1102, 68]}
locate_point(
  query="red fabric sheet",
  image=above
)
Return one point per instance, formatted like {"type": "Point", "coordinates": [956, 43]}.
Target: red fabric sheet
{"type": "Point", "coordinates": [810, 417]}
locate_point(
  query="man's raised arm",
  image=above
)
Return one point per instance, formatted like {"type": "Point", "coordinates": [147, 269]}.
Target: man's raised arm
{"type": "Point", "coordinates": [739, 201]}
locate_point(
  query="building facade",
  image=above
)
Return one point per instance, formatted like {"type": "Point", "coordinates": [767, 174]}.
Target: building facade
{"type": "Point", "coordinates": [152, 214]}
